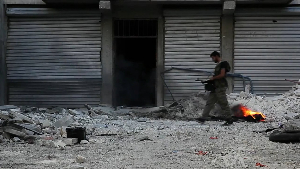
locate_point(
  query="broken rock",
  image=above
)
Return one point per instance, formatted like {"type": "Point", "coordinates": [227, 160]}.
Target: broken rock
{"type": "Point", "coordinates": [4, 115]}
{"type": "Point", "coordinates": [16, 139]}
{"type": "Point", "coordinates": [84, 142]}
{"type": "Point", "coordinates": [15, 114]}
{"type": "Point", "coordinates": [70, 141]}
{"type": "Point", "coordinates": [45, 123]}
{"type": "Point", "coordinates": [80, 159]}
{"type": "Point", "coordinates": [65, 121]}
{"type": "Point", "coordinates": [58, 144]}
{"type": "Point", "coordinates": [73, 112]}
{"type": "Point", "coordinates": [14, 131]}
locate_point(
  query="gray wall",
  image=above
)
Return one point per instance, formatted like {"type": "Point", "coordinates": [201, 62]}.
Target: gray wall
{"type": "Point", "coordinates": [3, 30]}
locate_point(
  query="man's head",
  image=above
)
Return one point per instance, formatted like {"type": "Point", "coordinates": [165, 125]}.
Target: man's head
{"type": "Point", "coordinates": [215, 56]}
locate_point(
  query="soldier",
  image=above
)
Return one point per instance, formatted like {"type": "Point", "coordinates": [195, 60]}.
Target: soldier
{"type": "Point", "coordinates": [218, 95]}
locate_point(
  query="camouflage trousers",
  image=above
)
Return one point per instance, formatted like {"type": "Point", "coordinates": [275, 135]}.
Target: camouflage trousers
{"type": "Point", "coordinates": [219, 97]}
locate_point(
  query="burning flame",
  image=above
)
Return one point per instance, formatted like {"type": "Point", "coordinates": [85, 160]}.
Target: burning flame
{"type": "Point", "coordinates": [247, 112]}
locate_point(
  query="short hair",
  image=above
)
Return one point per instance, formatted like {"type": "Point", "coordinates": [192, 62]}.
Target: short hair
{"type": "Point", "coordinates": [215, 53]}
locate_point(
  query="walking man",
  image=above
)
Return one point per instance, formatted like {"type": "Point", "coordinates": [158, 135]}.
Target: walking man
{"type": "Point", "coordinates": [218, 95]}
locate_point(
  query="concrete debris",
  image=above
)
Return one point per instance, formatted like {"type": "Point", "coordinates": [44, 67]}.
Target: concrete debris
{"type": "Point", "coordinates": [45, 123]}
{"type": "Point", "coordinates": [70, 141]}
{"type": "Point", "coordinates": [7, 107]}
{"type": "Point", "coordinates": [64, 121]}
{"type": "Point", "coordinates": [4, 115]}
{"type": "Point", "coordinates": [16, 139]}
{"type": "Point", "coordinates": [13, 131]}
{"type": "Point", "coordinates": [84, 142]}
{"type": "Point", "coordinates": [172, 126]}
{"type": "Point", "coordinates": [15, 114]}
{"type": "Point", "coordinates": [292, 125]}
{"type": "Point", "coordinates": [80, 159]}
{"type": "Point", "coordinates": [58, 144]}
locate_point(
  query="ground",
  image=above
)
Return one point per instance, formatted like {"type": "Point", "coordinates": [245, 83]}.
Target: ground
{"type": "Point", "coordinates": [172, 144]}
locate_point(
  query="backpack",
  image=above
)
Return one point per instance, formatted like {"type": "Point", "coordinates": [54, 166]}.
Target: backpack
{"type": "Point", "coordinates": [227, 68]}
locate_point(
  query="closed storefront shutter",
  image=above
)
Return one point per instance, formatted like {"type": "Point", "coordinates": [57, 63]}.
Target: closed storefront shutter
{"type": "Point", "coordinates": [190, 37]}
{"type": "Point", "coordinates": [53, 58]}
{"type": "Point", "coordinates": [267, 48]}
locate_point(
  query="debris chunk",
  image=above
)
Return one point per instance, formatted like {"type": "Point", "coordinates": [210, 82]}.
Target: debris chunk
{"type": "Point", "coordinates": [58, 144]}
{"type": "Point", "coordinates": [45, 123]}
{"type": "Point", "coordinates": [84, 142]}
{"type": "Point", "coordinates": [24, 118]}
{"type": "Point", "coordinates": [65, 121]}
{"type": "Point", "coordinates": [70, 141]}
{"type": "Point", "coordinates": [80, 159]}
{"type": "Point", "coordinates": [16, 139]}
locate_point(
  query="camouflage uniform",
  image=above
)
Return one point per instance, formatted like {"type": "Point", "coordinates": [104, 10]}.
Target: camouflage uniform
{"type": "Point", "coordinates": [218, 95]}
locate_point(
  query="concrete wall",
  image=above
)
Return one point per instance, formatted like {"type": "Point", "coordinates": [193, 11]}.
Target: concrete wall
{"type": "Point", "coordinates": [23, 2]}
{"type": "Point", "coordinates": [107, 59]}
{"type": "Point", "coordinates": [3, 30]}
{"type": "Point", "coordinates": [227, 41]}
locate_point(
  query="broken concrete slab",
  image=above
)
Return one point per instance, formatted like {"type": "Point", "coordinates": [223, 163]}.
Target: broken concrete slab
{"type": "Point", "coordinates": [58, 144]}
{"type": "Point", "coordinates": [15, 114]}
{"type": "Point", "coordinates": [11, 130]}
{"type": "Point", "coordinates": [45, 123]}
{"type": "Point", "coordinates": [70, 141]}
{"type": "Point", "coordinates": [65, 121]}
{"type": "Point", "coordinates": [4, 115]}
{"type": "Point", "coordinates": [16, 139]}
{"type": "Point", "coordinates": [7, 107]}
{"type": "Point", "coordinates": [74, 112]}
{"type": "Point", "coordinates": [84, 142]}
{"type": "Point", "coordinates": [31, 127]}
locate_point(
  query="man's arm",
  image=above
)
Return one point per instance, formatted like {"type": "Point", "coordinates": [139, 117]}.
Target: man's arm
{"type": "Point", "coordinates": [220, 76]}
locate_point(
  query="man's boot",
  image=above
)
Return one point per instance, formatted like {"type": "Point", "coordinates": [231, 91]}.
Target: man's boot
{"type": "Point", "coordinates": [203, 119]}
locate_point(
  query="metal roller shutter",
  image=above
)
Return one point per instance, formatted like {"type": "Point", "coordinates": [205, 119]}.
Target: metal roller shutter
{"type": "Point", "coordinates": [190, 37]}
{"type": "Point", "coordinates": [54, 61]}
{"type": "Point", "coordinates": [267, 48]}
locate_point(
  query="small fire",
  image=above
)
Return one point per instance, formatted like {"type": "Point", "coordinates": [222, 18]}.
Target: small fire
{"type": "Point", "coordinates": [255, 115]}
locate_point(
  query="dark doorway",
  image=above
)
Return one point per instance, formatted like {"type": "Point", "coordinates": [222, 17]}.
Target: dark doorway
{"type": "Point", "coordinates": [135, 71]}
{"type": "Point", "coordinates": [135, 62]}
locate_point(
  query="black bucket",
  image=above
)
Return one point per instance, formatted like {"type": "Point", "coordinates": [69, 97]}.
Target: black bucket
{"type": "Point", "coordinates": [76, 132]}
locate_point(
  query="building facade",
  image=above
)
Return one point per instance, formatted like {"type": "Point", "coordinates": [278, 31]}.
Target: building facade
{"type": "Point", "coordinates": [115, 52]}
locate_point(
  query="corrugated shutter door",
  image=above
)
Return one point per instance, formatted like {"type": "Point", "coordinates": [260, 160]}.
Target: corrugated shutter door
{"type": "Point", "coordinates": [54, 61]}
{"type": "Point", "coordinates": [190, 37]}
{"type": "Point", "coordinates": [267, 49]}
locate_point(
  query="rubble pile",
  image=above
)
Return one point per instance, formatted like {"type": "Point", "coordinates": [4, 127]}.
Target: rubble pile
{"type": "Point", "coordinates": [29, 123]}
{"type": "Point", "coordinates": [119, 136]}
{"type": "Point", "coordinates": [277, 108]}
